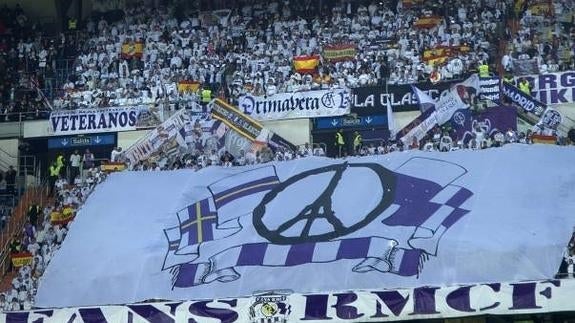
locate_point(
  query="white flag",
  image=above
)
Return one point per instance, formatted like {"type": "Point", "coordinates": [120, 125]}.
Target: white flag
{"type": "Point", "coordinates": [390, 121]}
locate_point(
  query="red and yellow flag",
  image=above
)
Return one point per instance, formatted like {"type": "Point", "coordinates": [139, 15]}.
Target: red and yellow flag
{"type": "Point", "coordinates": [112, 167]}
{"type": "Point", "coordinates": [306, 63]}
{"type": "Point", "coordinates": [339, 53]}
{"type": "Point", "coordinates": [541, 139]}
{"type": "Point", "coordinates": [21, 259]}
{"type": "Point", "coordinates": [187, 86]}
{"type": "Point", "coordinates": [63, 216]}
{"type": "Point", "coordinates": [427, 22]}
{"type": "Point", "coordinates": [132, 49]}
{"type": "Point", "coordinates": [441, 54]}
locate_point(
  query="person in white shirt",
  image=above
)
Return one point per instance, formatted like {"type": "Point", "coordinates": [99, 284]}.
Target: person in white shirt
{"type": "Point", "coordinates": [306, 150]}
{"type": "Point", "coordinates": [114, 156]}
{"type": "Point", "coordinates": [14, 306]}
{"type": "Point", "coordinates": [27, 303]}
{"type": "Point", "coordinates": [499, 139]}
{"type": "Point", "coordinates": [22, 294]}
{"type": "Point", "coordinates": [17, 282]}
{"type": "Point", "coordinates": [3, 303]}
{"type": "Point", "coordinates": [445, 143]}
{"type": "Point", "coordinates": [33, 247]}
{"type": "Point", "coordinates": [60, 234]}
{"type": "Point", "coordinates": [75, 160]}
{"type": "Point", "coordinates": [60, 183]}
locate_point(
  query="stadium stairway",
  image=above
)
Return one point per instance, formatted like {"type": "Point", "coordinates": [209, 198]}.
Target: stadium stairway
{"type": "Point", "coordinates": [33, 195]}
{"type": "Point", "coordinates": [6, 282]}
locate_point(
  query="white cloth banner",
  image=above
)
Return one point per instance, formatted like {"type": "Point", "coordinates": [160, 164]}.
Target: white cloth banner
{"type": "Point", "coordinates": [153, 140]}
{"type": "Point", "coordinates": [549, 121]}
{"type": "Point", "coordinates": [349, 306]}
{"type": "Point", "coordinates": [408, 220]}
{"type": "Point", "coordinates": [83, 121]}
{"type": "Point", "coordinates": [308, 104]}
{"type": "Point", "coordinates": [459, 96]}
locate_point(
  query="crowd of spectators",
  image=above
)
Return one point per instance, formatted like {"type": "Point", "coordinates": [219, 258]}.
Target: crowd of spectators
{"type": "Point", "coordinates": [543, 41]}
{"type": "Point", "coordinates": [42, 235]}
{"type": "Point", "coordinates": [26, 58]}
{"type": "Point", "coordinates": [567, 267]}
{"type": "Point", "coordinates": [250, 47]}
{"type": "Point", "coordinates": [439, 139]}
{"type": "Point", "coordinates": [142, 55]}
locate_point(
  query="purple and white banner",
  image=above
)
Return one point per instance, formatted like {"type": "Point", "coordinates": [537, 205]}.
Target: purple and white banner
{"type": "Point", "coordinates": [460, 96]}
{"type": "Point", "coordinates": [523, 100]}
{"type": "Point", "coordinates": [154, 140]}
{"type": "Point", "coordinates": [495, 119]}
{"type": "Point", "coordinates": [112, 119]}
{"type": "Point", "coordinates": [376, 305]}
{"type": "Point", "coordinates": [316, 225]}
{"type": "Point", "coordinates": [553, 88]}
{"type": "Point", "coordinates": [549, 121]}
{"type": "Point", "coordinates": [490, 88]}
{"type": "Point", "coordinates": [93, 120]}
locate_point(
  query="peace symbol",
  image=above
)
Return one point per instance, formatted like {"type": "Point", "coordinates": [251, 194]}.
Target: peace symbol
{"type": "Point", "coordinates": [321, 208]}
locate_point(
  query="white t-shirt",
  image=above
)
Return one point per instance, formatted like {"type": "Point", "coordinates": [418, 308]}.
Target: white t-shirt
{"type": "Point", "coordinates": [33, 248]}
{"type": "Point", "coordinates": [114, 155]}
{"type": "Point", "coordinates": [75, 160]}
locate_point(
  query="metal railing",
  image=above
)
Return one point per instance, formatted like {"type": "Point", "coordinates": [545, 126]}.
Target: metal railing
{"type": "Point", "coordinates": [13, 227]}
{"type": "Point", "coordinates": [24, 116]}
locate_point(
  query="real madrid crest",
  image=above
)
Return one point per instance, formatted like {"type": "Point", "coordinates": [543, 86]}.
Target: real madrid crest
{"type": "Point", "coordinates": [270, 308]}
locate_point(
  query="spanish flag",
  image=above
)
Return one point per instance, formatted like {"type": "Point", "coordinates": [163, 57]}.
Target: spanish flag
{"type": "Point", "coordinates": [186, 86]}
{"type": "Point", "coordinates": [63, 216]}
{"type": "Point", "coordinates": [132, 50]}
{"type": "Point", "coordinates": [139, 48]}
{"type": "Point", "coordinates": [541, 139]}
{"type": "Point", "coordinates": [21, 259]}
{"type": "Point", "coordinates": [435, 56]}
{"type": "Point", "coordinates": [441, 54]}
{"type": "Point", "coordinates": [306, 63]}
{"type": "Point", "coordinates": [427, 22]}
{"type": "Point", "coordinates": [112, 167]}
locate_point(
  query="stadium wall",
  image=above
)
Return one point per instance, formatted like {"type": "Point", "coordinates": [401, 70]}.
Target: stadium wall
{"type": "Point", "coordinates": [296, 131]}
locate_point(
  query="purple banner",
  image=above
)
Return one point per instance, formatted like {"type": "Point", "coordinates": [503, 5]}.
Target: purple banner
{"type": "Point", "coordinates": [500, 118]}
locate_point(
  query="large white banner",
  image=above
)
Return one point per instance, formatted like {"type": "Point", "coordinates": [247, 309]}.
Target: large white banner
{"type": "Point", "coordinates": [376, 305]}
{"type": "Point", "coordinates": [553, 88]}
{"type": "Point", "coordinates": [84, 121]}
{"type": "Point", "coordinates": [318, 225]}
{"type": "Point", "coordinates": [307, 104]}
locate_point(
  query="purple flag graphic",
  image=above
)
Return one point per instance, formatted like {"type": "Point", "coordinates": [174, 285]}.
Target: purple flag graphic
{"type": "Point", "coordinates": [499, 118]}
